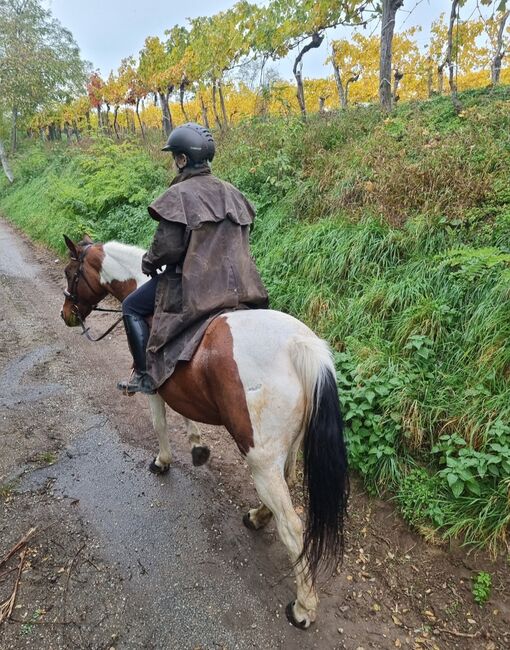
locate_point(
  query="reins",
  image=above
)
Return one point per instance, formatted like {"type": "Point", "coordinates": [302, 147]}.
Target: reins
{"type": "Point", "coordinates": [73, 297]}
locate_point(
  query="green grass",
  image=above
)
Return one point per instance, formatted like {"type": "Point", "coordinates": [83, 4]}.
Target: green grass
{"type": "Point", "coordinates": [390, 237]}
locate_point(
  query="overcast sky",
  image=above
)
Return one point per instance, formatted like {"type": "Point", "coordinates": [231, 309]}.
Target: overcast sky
{"type": "Point", "coordinates": [109, 30]}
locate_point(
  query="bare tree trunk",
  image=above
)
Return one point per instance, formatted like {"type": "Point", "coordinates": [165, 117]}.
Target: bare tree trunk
{"type": "Point", "coordinates": [338, 80]}
{"type": "Point", "coordinates": [87, 117]}
{"type": "Point", "coordinates": [107, 118]}
{"type": "Point", "coordinates": [182, 88]}
{"type": "Point", "coordinates": [139, 118]}
{"type": "Point", "coordinates": [67, 131]}
{"type": "Point", "coordinates": [449, 57]}
{"type": "Point", "coordinates": [350, 81]}
{"type": "Point", "coordinates": [215, 107]}
{"type": "Point", "coordinates": [14, 129]}
{"type": "Point", "coordinates": [5, 163]}
{"type": "Point", "coordinates": [222, 103]}
{"type": "Point", "coordinates": [115, 120]}
{"type": "Point", "coordinates": [322, 101]}
{"type": "Point", "coordinates": [298, 69]}
{"type": "Point", "coordinates": [166, 124]}
{"type": "Point", "coordinates": [76, 131]}
{"type": "Point", "coordinates": [389, 10]}
{"type": "Point", "coordinates": [500, 52]}
{"type": "Point", "coordinates": [203, 107]}
{"type": "Point", "coordinates": [99, 119]}
{"type": "Point", "coordinates": [397, 76]}
{"type": "Point", "coordinates": [429, 77]}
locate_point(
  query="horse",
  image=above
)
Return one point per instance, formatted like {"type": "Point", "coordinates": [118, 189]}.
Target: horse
{"type": "Point", "coordinates": [270, 381]}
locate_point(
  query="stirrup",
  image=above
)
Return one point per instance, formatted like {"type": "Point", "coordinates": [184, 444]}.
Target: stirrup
{"type": "Point", "coordinates": [139, 382]}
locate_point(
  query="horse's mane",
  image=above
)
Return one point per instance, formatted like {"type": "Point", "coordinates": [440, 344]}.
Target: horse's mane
{"type": "Point", "coordinates": [121, 262]}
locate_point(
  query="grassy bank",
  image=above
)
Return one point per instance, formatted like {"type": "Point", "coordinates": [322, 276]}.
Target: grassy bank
{"type": "Point", "coordinates": [390, 237]}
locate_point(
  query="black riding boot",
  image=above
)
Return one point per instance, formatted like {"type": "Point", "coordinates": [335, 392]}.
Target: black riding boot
{"type": "Point", "coordinates": [137, 332]}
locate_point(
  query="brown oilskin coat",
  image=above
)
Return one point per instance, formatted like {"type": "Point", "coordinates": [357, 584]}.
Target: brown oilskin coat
{"type": "Point", "coordinates": [203, 239]}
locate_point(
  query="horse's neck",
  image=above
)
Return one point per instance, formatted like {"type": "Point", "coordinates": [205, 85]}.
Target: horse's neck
{"type": "Point", "coordinates": [121, 269]}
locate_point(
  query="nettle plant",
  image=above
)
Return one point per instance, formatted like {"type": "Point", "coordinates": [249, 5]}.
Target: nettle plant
{"type": "Point", "coordinates": [468, 470]}
{"type": "Point", "coordinates": [371, 437]}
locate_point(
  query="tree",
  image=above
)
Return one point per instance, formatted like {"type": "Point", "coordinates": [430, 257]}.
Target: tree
{"type": "Point", "coordinates": [500, 46]}
{"type": "Point", "coordinates": [389, 11]}
{"type": "Point", "coordinates": [287, 25]}
{"type": "Point", "coordinates": [39, 61]}
{"type": "Point", "coordinates": [154, 75]}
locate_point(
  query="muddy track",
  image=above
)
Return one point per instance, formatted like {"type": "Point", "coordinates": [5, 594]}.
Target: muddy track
{"type": "Point", "coordinates": [124, 559]}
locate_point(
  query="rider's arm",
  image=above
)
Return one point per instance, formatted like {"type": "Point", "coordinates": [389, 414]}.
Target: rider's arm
{"type": "Point", "coordinates": [168, 247]}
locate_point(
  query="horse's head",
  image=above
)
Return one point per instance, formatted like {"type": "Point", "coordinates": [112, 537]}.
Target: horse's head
{"type": "Point", "coordinates": [84, 289]}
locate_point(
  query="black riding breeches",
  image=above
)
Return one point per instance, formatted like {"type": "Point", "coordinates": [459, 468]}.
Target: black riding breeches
{"type": "Point", "coordinates": [141, 302]}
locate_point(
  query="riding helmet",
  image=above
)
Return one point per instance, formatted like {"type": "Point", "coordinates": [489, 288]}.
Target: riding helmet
{"type": "Point", "coordinates": [192, 139]}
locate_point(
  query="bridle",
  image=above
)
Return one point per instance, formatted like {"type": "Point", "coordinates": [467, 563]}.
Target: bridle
{"type": "Point", "coordinates": [72, 295]}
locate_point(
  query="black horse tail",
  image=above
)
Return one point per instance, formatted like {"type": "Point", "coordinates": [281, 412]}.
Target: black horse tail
{"type": "Point", "coordinates": [325, 476]}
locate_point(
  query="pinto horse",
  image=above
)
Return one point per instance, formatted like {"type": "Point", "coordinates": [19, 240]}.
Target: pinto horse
{"type": "Point", "coordinates": [270, 381]}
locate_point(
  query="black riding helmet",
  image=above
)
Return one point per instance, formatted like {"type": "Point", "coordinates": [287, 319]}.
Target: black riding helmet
{"type": "Point", "coordinates": [193, 140]}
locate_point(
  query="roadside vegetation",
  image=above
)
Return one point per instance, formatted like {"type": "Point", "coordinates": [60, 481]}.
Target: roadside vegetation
{"type": "Point", "coordinates": [387, 234]}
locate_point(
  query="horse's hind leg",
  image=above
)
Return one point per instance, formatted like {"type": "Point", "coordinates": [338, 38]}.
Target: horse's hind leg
{"type": "Point", "coordinates": [259, 517]}
{"type": "Point", "coordinates": [274, 494]}
{"type": "Point", "coordinates": [161, 463]}
{"type": "Point", "coordinates": [199, 453]}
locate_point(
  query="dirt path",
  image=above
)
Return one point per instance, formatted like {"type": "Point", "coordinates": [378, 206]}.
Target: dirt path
{"type": "Point", "coordinates": [123, 559]}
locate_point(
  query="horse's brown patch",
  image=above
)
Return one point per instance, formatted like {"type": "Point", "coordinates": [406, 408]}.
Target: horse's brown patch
{"type": "Point", "coordinates": [121, 289]}
{"type": "Point", "coordinates": [208, 388]}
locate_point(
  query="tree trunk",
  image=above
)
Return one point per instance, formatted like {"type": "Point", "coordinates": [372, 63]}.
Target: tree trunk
{"type": "Point", "coordinates": [298, 69]}
{"type": "Point", "coordinates": [99, 120]}
{"type": "Point", "coordinates": [222, 103]}
{"type": "Point", "coordinates": [342, 99]}
{"type": "Point", "coordinates": [115, 120]}
{"type": "Point", "coordinates": [139, 118]}
{"type": "Point", "coordinates": [397, 76]}
{"type": "Point", "coordinates": [203, 107]}
{"type": "Point", "coordinates": [449, 57]}
{"type": "Point", "coordinates": [76, 131]}
{"type": "Point", "coordinates": [87, 117]}
{"type": "Point", "coordinates": [167, 117]}
{"type": "Point", "coordinates": [350, 81]}
{"type": "Point", "coordinates": [14, 129]}
{"type": "Point", "coordinates": [107, 118]}
{"type": "Point", "coordinates": [182, 88]}
{"type": "Point", "coordinates": [389, 11]}
{"type": "Point", "coordinates": [67, 131]}
{"type": "Point", "coordinates": [215, 107]}
{"type": "Point", "coordinates": [5, 163]}
{"type": "Point", "coordinates": [500, 52]}
{"type": "Point", "coordinates": [440, 78]}
{"type": "Point", "coordinates": [429, 77]}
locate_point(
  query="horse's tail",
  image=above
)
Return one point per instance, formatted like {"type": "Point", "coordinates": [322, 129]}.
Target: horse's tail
{"type": "Point", "coordinates": [325, 481]}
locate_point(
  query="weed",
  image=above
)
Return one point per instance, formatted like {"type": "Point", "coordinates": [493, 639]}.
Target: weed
{"type": "Point", "coordinates": [481, 588]}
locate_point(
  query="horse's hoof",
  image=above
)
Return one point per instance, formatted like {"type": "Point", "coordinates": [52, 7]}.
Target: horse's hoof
{"type": "Point", "coordinates": [289, 612]}
{"type": "Point", "coordinates": [200, 455]}
{"type": "Point", "coordinates": [157, 469]}
{"type": "Point", "coordinates": [248, 522]}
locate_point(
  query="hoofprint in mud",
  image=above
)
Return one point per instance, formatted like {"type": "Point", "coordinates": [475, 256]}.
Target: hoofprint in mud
{"type": "Point", "coordinates": [270, 381]}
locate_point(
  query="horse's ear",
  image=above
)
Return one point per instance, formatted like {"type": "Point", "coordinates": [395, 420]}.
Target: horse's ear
{"type": "Point", "coordinates": [87, 240]}
{"type": "Point", "coordinates": [71, 246]}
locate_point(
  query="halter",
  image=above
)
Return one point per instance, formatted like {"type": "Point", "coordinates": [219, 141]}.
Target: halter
{"type": "Point", "coordinates": [73, 297]}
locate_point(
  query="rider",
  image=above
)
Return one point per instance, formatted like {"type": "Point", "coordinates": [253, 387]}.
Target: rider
{"type": "Point", "coordinates": [201, 248]}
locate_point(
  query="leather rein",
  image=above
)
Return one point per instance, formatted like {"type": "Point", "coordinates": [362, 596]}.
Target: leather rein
{"type": "Point", "coordinates": [73, 297]}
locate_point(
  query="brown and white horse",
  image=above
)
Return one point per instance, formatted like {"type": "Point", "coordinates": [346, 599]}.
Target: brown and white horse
{"type": "Point", "coordinates": [270, 381]}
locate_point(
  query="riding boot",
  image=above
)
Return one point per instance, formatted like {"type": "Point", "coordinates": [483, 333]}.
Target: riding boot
{"type": "Point", "coordinates": [137, 332]}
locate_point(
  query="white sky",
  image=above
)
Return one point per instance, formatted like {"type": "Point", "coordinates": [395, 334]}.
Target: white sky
{"type": "Point", "coordinates": [109, 30]}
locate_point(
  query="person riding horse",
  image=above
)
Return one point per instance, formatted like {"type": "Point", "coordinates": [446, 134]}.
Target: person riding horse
{"type": "Point", "coordinates": [201, 248]}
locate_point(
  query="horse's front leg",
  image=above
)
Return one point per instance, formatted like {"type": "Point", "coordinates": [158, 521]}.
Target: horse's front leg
{"type": "Point", "coordinates": [161, 463]}
{"type": "Point", "coordinates": [199, 453]}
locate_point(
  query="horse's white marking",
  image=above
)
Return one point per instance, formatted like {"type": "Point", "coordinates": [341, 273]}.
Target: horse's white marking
{"type": "Point", "coordinates": [122, 262]}
{"type": "Point", "coordinates": [285, 365]}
